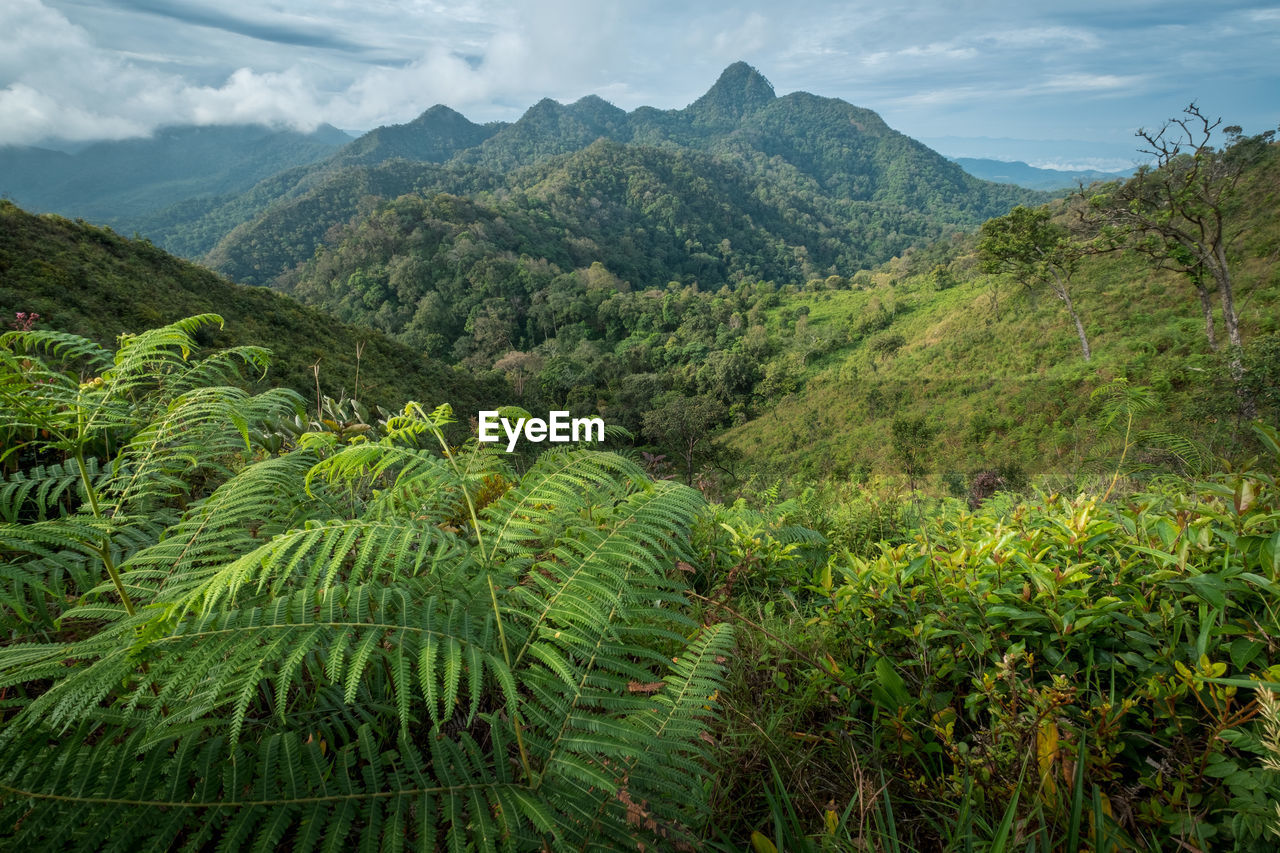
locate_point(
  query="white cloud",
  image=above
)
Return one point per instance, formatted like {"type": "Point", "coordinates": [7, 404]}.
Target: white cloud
{"type": "Point", "coordinates": [112, 68]}
{"type": "Point", "coordinates": [915, 55]}
{"type": "Point", "coordinates": [56, 82]}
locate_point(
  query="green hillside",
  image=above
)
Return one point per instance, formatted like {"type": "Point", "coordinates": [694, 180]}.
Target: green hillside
{"type": "Point", "coordinates": [93, 282]}
{"type": "Point", "coordinates": [997, 370]}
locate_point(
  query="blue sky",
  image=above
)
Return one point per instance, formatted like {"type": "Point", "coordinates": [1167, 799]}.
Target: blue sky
{"type": "Point", "coordinates": [1028, 80]}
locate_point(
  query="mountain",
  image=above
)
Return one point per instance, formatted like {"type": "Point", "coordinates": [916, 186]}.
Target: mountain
{"type": "Point", "coordinates": [739, 91]}
{"type": "Point", "coordinates": [855, 178]}
{"type": "Point", "coordinates": [90, 281]}
{"type": "Point", "coordinates": [432, 137]}
{"type": "Point", "coordinates": [119, 182]}
{"type": "Point", "coordinates": [1031, 177]}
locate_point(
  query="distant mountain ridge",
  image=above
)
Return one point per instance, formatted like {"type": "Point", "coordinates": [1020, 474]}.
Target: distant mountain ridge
{"type": "Point", "coordinates": [117, 183]}
{"type": "Point", "coordinates": [432, 137]}
{"type": "Point", "coordinates": [1033, 177]}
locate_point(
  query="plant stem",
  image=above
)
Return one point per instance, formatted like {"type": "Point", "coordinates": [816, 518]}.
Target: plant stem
{"type": "Point", "coordinates": [104, 550]}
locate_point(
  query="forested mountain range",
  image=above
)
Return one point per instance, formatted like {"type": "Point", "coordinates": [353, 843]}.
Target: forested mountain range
{"type": "Point", "coordinates": [805, 167]}
{"type": "Point", "coordinates": [120, 183]}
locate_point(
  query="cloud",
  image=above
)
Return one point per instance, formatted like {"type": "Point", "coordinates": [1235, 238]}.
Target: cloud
{"type": "Point", "coordinates": [274, 28]}
{"type": "Point", "coordinates": [1037, 38]}
{"type": "Point", "coordinates": [58, 83]}
{"type": "Point", "coordinates": [86, 69]}
{"type": "Point", "coordinates": [914, 55]}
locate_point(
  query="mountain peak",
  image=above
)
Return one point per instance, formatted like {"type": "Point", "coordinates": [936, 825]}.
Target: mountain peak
{"type": "Point", "coordinates": [740, 90]}
{"type": "Point", "coordinates": [441, 113]}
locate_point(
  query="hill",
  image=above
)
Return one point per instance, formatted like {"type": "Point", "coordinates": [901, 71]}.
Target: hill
{"type": "Point", "coordinates": [93, 282]}
{"type": "Point", "coordinates": [994, 371]}
{"type": "Point", "coordinates": [121, 183]}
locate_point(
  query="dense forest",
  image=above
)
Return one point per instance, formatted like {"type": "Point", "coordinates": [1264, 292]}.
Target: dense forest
{"type": "Point", "coordinates": [931, 515]}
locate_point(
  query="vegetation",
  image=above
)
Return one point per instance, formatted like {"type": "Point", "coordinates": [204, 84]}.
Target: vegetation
{"type": "Point", "coordinates": [1176, 213]}
{"type": "Point", "coordinates": [91, 280]}
{"type": "Point", "coordinates": [352, 638]}
{"type": "Point", "coordinates": [335, 644]}
{"type": "Point", "coordinates": [1058, 673]}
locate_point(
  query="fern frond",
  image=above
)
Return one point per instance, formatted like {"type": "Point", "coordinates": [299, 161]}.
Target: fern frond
{"type": "Point", "coordinates": [659, 800]}
{"type": "Point", "coordinates": [423, 656]}
{"type": "Point", "coordinates": [207, 428]}
{"type": "Point", "coordinates": [63, 346]}
{"type": "Point", "coordinates": [328, 553]}
{"type": "Point", "coordinates": [559, 481]}
{"type": "Point", "coordinates": [258, 503]}
{"type": "Point", "coordinates": [42, 488]}
{"type": "Point", "coordinates": [288, 791]}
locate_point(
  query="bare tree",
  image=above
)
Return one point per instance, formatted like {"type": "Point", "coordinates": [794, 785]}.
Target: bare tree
{"type": "Point", "coordinates": [1175, 212]}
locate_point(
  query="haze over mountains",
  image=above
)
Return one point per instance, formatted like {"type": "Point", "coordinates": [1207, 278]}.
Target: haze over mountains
{"type": "Point", "coordinates": [1032, 177]}
{"type": "Point", "coordinates": [119, 183]}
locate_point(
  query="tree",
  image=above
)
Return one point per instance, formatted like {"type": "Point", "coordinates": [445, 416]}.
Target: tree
{"type": "Point", "coordinates": [913, 445]}
{"type": "Point", "coordinates": [1037, 251]}
{"type": "Point", "coordinates": [518, 367]}
{"type": "Point", "coordinates": [1177, 211]}
{"type": "Point", "coordinates": [684, 424]}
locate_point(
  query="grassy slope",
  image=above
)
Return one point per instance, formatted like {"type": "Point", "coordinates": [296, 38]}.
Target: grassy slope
{"type": "Point", "coordinates": [1013, 389]}
{"type": "Point", "coordinates": [93, 282]}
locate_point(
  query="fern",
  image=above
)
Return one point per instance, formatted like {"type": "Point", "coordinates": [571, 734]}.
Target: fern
{"type": "Point", "coordinates": [358, 643]}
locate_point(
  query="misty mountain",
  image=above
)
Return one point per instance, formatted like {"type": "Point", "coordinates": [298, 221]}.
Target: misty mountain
{"type": "Point", "coordinates": [119, 182]}
{"type": "Point", "coordinates": [1031, 177]}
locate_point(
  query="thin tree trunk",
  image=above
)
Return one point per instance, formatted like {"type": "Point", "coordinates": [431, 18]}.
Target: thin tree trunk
{"type": "Point", "coordinates": [1084, 341]}
{"type": "Point", "coordinates": [1063, 292]}
{"type": "Point", "coordinates": [1248, 410]}
{"type": "Point", "coordinates": [1206, 305]}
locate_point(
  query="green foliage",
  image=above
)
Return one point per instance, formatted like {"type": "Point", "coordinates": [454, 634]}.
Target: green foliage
{"type": "Point", "coordinates": [354, 641]}
{"type": "Point", "coordinates": [99, 285]}
{"type": "Point", "coordinates": [1028, 244]}
{"type": "Point", "coordinates": [1063, 670]}
{"type": "Point", "coordinates": [912, 439]}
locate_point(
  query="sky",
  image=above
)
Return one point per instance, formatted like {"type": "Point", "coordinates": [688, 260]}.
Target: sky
{"type": "Point", "coordinates": [1030, 80]}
